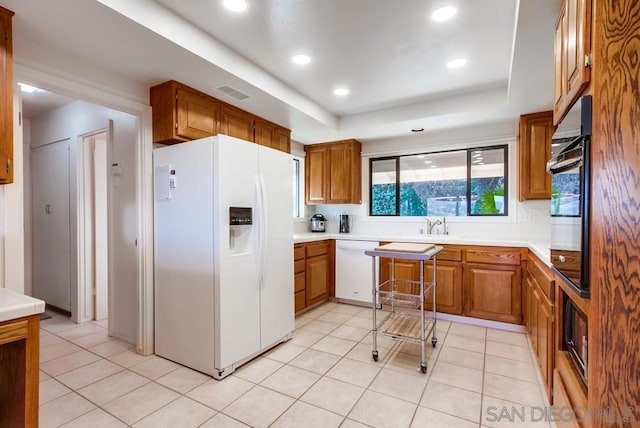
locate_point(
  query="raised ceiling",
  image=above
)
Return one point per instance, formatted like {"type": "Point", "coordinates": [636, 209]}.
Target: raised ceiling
{"type": "Point", "coordinates": [390, 55]}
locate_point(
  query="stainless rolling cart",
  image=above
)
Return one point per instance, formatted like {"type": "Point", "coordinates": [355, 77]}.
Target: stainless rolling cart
{"type": "Point", "coordinates": [407, 319]}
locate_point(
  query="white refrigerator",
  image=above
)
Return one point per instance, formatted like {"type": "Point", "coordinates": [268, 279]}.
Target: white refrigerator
{"type": "Point", "coordinates": [223, 232]}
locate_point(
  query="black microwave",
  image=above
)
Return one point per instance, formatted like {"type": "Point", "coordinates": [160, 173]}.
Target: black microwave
{"type": "Point", "coordinates": [570, 187]}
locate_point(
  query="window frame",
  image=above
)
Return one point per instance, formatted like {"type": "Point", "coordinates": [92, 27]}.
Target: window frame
{"type": "Point", "coordinates": [299, 186]}
{"type": "Point", "coordinates": [469, 151]}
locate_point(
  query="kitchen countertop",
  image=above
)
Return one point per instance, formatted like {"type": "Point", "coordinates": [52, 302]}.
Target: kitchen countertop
{"type": "Point", "coordinates": [15, 305]}
{"type": "Point", "coordinates": [539, 249]}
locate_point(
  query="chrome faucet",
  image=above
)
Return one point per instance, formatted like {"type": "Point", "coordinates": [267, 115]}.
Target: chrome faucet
{"type": "Point", "coordinates": [431, 225]}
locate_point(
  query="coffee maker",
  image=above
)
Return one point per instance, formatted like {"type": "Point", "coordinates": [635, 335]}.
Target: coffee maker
{"type": "Point", "coordinates": [344, 223]}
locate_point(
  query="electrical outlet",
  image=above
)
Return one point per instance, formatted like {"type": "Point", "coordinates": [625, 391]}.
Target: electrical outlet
{"type": "Point", "coordinates": [527, 217]}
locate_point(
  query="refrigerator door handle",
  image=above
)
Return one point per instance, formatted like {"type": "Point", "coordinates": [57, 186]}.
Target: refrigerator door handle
{"type": "Point", "coordinates": [264, 221]}
{"type": "Point", "coordinates": [259, 226]}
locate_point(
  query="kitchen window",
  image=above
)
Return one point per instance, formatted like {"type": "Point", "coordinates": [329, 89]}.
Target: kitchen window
{"type": "Point", "coordinates": [298, 187]}
{"type": "Point", "coordinates": [470, 182]}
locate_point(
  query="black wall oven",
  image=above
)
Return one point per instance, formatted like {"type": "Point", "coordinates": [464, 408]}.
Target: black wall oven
{"type": "Point", "coordinates": [569, 167]}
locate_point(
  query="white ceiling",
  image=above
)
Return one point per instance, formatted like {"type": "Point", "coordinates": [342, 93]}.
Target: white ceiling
{"type": "Point", "coordinates": [391, 55]}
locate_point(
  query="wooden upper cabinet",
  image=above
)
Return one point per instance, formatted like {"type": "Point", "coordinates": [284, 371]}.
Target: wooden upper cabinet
{"type": "Point", "coordinates": [197, 116]}
{"type": "Point", "coordinates": [236, 123]}
{"type": "Point", "coordinates": [535, 134]}
{"type": "Point", "coordinates": [271, 135]}
{"type": "Point", "coordinates": [316, 167]}
{"type": "Point", "coordinates": [181, 113]}
{"type": "Point", "coordinates": [282, 139]}
{"type": "Point", "coordinates": [572, 54]}
{"type": "Point", "coordinates": [332, 173]}
{"type": "Point", "coordinates": [6, 97]}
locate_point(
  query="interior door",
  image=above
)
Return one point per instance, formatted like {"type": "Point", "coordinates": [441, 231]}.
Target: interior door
{"type": "Point", "coordinates": [50, 206]}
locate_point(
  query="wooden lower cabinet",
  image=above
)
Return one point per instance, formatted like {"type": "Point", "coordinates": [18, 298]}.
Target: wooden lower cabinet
{"type": "Point", "coordinates": [19, 372]}
{"type": "Point", "coordinates": [493, 292]}
{"type": "Point", "coordinates": [317, 283]}
{"type": "Point", "coordinates": [313, 269]}
{"type": "Point", "coordinates": [405, 270]}
{"type": "Point", "coordinates": [569, 393]}
{"type": "Point", "coordinates": [544, 348]}
{"type": "Point", "coordinates": [448, 287]}
{"type": "Point", "coordinates": [539, 317]}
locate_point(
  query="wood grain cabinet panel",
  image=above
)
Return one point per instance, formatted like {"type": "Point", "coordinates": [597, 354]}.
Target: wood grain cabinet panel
{"type": "Point", "coordinates": [448, 287]}
{"type": "Point", "coordinates": [318, 275]}
{"type": "Point", "coordinates": [316, 167]}
{"type": "Point", "coordinates": [197, 116]}
{"type": "Point", "coordinates": [333, 173]}
{"type": "Point", "coordinates": [572, 48]}
{"type": "Point", "coordinates": [19, 371]}
{"type": "Point", "coordinates": [271, 135]}
{"type": "Point", "coordinates": [236, 123]}
{"type": "Point", "coordinates": [6, 97]}
{"type": "Point", "coordinates": [405, 270]}
{"type": "Point", "coordinates": [300, 301]}
{"type": "Point", "coordinates": [182, 114]}
{"type": "Point", "coordinates": [493, 292]}
{"type": "Point", "coordinates": [535, 134]}
{"type": "Point", "coordinates": [314, 273]}
{"type": "Point", "coordinates": [539, 316]}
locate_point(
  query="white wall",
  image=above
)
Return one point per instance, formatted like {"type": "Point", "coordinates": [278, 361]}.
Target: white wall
{"type": "Point", "coordinates": [11, 214]}
{"type": "Point", "coordinates": [526, 220]}
{"type": "Point", "coordinates": [26, 165]}
{"type": "Point", "coordinates": [71, 121]}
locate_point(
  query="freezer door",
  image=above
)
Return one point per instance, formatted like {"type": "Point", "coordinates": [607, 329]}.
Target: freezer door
{"type": "Point", "coordinates": [183, 254]}
{"type": "Point", "coordinates": [276, 266]}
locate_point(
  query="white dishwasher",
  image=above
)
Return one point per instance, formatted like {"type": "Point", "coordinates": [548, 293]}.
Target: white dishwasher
{"type": "Point", "coordinates": [354, 276]}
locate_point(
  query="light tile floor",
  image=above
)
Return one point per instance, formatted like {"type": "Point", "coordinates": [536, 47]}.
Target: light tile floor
{"type": "Point", "coordinates": [323, 377]}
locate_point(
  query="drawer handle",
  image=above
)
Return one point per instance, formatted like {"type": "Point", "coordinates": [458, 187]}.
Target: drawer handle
{"type": "Point", "coordinates": [562, 259]}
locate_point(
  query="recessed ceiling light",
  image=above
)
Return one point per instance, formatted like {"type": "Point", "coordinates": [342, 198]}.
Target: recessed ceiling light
{"type": "Point", "coordinates": [301, 59]}
{"type": "Point", "coordinates": [417, 129]}
{"type": "Point", "coordinates": [235, 5]}
{"type": "Point", "coordinates": [456, 63]}
{"type": "Point", "coordinates": [421, 156]}
{"type": "Point", "coordinates": [341, 92]}
{"type": "Point", "coordinates": [427, 162]}
{"type": "Point", "coordinates": [27, 88]}
{"type": "Point", "coordinates": [434, 166]}
{"type": "Point", "coordinates": [443, 14]}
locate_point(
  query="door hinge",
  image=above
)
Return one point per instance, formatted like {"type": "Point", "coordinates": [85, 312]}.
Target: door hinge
{"type": "Point", "coordinates": [176, 125]}
{"type": "Point", "coordinates": [19, 118]}
{"type": "Point", "coordinates": [8, 165]}
{"type": "Point", "coordinates": [553, 318]}
{"type": "Point", "coordinates": [587, 60]}
{"type": "Point", "coordinates": [6, 34]}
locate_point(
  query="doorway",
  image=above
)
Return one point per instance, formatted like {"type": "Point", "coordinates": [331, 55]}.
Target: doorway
{"type": "Point", "coordinates": [130, 291]}
{"type": "Point", "coordinates": [93, 193]}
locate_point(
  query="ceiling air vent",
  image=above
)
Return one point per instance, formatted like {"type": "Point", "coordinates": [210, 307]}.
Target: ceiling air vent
{"type": "Point", "coordinates": [234, 93]}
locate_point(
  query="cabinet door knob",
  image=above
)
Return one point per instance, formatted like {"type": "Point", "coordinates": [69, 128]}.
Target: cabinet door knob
{"type": "Point", "coordinates": [562, 259]}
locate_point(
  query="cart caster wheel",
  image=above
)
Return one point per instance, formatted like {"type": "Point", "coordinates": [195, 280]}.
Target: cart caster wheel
{"type": "Point", "coordinates": [374, 355]}
{"type": "Point", "coordinates": [423, 368]}
{"type": "Point", "coordinates": [434, 341]}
